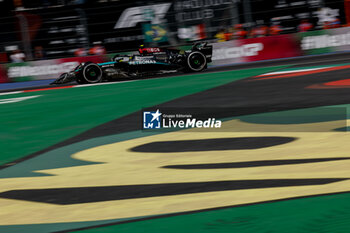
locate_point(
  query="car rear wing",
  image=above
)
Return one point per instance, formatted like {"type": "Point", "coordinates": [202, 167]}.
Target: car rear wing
{"type": "Point", "coordinates": [204, 48]}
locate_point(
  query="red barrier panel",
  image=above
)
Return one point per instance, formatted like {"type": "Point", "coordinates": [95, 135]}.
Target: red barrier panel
{"type": "Point", "coordinates": [3, 75]}
{"type": "Point", "coordinates": [273, 47]}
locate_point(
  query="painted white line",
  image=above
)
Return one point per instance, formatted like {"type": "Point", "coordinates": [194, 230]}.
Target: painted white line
{"type": "Point", "coordinates": [292, 71]}
{"type": "Point", "coordinates": [19, 99]}
{"type": "Point", "coordinates": [99, 84]}
{"type": "Point", "coordinates": [10, 93]}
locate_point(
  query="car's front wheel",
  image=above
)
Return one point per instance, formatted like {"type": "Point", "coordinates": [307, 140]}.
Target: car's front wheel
{"type": "Point", "coordinates": [91, 73]}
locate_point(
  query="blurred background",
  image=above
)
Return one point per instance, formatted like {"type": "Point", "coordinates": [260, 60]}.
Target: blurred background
{"type": "Point", "coordinates": [46, 29]}
{"type": "Point", "coordinates": [74, 158]}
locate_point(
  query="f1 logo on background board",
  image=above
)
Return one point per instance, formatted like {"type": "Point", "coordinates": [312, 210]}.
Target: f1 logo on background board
{"type": "Point", "coordinates": [134, 15]}
{"type": "Point", "coordinates": [152, 120]}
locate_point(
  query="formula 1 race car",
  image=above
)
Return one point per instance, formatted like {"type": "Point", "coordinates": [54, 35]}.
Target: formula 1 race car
{"type": "Point", "coordinates": [149, 61]}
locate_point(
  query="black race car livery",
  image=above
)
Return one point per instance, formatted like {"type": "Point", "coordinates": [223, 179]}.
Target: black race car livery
{"type": "Point", "coordinates": [149, 61]}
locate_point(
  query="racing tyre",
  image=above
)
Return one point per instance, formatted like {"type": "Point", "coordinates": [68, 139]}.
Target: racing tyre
{"type": "Point", "coordinates": [91, 73]}
{"type": "Point", "coordinates": [196, 61]}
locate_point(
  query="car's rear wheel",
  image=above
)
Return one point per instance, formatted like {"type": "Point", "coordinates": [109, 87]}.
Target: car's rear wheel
{"type": "Point", "coordinates": [196, 61]}
{"type": "Point", "coordinates": [91, 73]}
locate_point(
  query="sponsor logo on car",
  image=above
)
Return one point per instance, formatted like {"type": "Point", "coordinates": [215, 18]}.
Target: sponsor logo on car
{"type": "Point", "coordinates": [142, 62]}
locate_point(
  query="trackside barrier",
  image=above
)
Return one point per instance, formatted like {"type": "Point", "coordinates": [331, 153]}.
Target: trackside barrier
{"type": "Point", "coordinates": [282, 46]}
{"type": "Point", "coordinates": [224, 53]}
{"type": "Point", "coordinates": [44, 69]}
